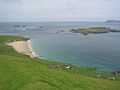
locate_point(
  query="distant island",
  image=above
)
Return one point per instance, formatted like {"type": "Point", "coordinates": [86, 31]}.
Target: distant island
{"type": "Point", "coordinates": [113, 21]}
{"type": "Point", "coordinates": [94, 30]}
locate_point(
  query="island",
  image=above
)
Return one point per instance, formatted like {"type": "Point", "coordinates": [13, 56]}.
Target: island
{"type": "Point", "coordinates": [113, 21]}
{"type": "Point", "coordinates": [94, 30]}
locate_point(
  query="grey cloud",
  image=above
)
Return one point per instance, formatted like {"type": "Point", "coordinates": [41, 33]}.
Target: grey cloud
{"type": "Point", "coordinates": [68, 10]}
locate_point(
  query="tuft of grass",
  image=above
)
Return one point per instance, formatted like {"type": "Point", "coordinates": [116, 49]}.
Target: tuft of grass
{"type": "Point", "coordinates": [20, 72]}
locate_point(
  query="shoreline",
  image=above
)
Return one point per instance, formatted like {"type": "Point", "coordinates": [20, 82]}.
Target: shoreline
{"type": "Point", "coordinates": [23, 47]}
{"type": "Point", "coordinates": [31, 49]}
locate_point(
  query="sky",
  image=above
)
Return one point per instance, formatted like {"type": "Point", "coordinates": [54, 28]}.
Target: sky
{"type": "Point", "coordinates": [59, 10]}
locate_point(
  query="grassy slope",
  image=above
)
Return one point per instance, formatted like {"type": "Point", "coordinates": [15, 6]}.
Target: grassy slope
{"type": "Point", "coordinates": [20, 72]}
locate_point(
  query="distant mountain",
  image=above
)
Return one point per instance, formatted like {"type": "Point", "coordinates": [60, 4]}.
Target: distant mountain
{"type": "Point", "coordinates": [113, 21]}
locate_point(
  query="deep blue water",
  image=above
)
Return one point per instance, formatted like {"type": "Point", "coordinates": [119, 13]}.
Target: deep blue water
{"type": "Point", "coordinates": [101, 51]}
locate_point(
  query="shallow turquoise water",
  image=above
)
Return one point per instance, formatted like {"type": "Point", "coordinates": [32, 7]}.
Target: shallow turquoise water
{"type": "Point", "coordinates": [101, 51]}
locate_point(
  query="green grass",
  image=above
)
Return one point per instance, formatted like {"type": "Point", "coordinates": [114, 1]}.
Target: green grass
{"type": "Point", "coordinates": [20, 72]}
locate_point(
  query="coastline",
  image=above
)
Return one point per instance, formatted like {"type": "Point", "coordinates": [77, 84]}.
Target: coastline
{"type": "Point", "coordinates": [23, 47]}
{"type": "Point", "coordinates": [20, 72]}
{"type": "Point", "coordinates": [31, 49]}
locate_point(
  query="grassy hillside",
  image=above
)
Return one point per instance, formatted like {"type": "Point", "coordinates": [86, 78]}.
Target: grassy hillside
{"type": "Point", "coordinates": [20, 72]}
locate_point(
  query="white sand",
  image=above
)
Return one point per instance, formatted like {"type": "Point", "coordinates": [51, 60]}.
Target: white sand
{"type": "Point", "coordinates": [22, 47]}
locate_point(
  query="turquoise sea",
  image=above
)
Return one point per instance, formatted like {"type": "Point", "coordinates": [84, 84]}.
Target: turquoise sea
{"type": "Point", "coordinates": [54, 41]}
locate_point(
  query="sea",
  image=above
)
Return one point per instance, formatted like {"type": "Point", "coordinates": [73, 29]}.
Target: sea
{"type": "Point", "coordinates": [54, 41]}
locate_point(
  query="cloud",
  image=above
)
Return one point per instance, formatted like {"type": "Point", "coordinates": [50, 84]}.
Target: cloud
{"type": "Point", "coordinates": [43, 10]}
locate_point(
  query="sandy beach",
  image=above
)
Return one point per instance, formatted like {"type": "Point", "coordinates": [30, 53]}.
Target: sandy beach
{"type": "Point", "coordinates": [22, 47]}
